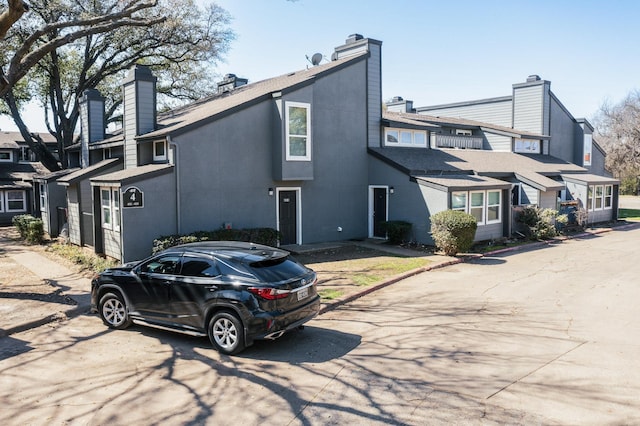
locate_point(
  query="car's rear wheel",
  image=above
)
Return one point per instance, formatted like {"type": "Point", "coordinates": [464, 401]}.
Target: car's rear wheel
{"type": "Point", "coordinates": [226, 333]}
{"type": "Point", "coordinates": [113, 311]}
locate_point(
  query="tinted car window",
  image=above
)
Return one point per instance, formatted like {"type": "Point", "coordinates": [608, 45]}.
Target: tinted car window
{"type": "Point", "coordinates": [278, 269]}
{"type": "Point", "coordinates": [162, 265]}
{"type": "Point", "coordinates": [198, 267]}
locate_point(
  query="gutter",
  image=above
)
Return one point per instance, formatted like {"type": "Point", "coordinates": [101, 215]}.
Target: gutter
{"type": "Point", "coordinates": [174, 147]}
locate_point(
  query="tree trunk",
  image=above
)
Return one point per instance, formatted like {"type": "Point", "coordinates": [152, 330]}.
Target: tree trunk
{"type": "Point", "coordinates": [16, 9]}
{"type": "Point", "coordinates": [34, 141]}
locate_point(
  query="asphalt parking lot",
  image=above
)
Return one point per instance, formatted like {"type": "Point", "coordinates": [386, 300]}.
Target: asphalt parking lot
{"type": "Point", "coordinates": [543, 336]}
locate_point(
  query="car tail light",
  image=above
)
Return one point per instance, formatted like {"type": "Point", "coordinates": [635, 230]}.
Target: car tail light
{"type": "Point", "coordinates": [269, 293]}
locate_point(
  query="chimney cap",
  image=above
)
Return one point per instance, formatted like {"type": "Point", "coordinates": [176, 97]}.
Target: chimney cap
{"type": "Point", "coordinates": [533, 77]}
{"type": "Point", "coordinates": [353, 38]}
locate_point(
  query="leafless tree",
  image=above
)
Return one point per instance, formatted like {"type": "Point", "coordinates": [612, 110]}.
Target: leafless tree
{"type": "Point", "coordinates": [618, 131]}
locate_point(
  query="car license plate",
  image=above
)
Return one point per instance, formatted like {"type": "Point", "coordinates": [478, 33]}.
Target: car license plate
{"type": "Point", "coordinates": [303, 293]}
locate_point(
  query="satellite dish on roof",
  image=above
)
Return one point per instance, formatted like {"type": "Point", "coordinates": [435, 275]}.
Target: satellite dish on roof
{"type": "Point", "coordinates": [316, 58]}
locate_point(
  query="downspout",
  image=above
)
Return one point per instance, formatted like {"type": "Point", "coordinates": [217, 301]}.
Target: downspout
{"type": "Point", "coordinates": [174, 148]}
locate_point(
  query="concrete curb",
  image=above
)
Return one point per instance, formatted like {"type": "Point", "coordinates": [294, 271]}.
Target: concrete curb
{"type": "Point", "coordinates": [327, 307]}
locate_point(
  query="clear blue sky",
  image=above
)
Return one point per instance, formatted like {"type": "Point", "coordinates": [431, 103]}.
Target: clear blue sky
{"type": "Point", "coordinates": [437, 52]}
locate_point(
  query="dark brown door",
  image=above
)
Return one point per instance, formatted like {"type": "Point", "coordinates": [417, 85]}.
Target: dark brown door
{"type": "Point", "coordinates": [379, 212]}
{"type": "Point", "coordinates": [288, 219]}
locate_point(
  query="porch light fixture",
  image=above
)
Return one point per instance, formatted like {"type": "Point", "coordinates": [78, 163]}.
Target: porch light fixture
{"type": "Point", "coordinates": [270, 191]}
{"type": "Point", "coordinates": [391, 190]}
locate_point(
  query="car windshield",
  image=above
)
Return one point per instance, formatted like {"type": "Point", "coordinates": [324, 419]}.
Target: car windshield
{"type": "Point", "coordinates": [274, 270]}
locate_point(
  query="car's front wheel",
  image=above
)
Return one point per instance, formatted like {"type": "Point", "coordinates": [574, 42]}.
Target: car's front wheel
{"type": "Point", "coordinates": [226, 333]}
{"type": "Point", "coordinates": [113, 311]}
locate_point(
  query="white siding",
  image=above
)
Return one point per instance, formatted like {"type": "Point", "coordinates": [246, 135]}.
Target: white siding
{"type": "Point", "coordinates": [489, 232]}
{"type": "Point", "coordinates": [548, 200]}
{"type": "Point", "coordinates": [111, 243]}
{"type": "Point", "coordinates": [498, 142]}
{"type": "Point", "coordinates": [495, 112]}
{"type": "Point", "coordinates": [73, 212]}
{"type": "Point", "coordinates": [528, 194]}
{"type": "Point", "coordinates": [528, 108]}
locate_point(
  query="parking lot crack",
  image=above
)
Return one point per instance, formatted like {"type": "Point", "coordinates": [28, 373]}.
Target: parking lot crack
{"type": "Point", "coordinates": [536, 370]}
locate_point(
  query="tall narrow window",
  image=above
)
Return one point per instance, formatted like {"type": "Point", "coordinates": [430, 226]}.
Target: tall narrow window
{"type": "Point", "coordinates": [43, 197]}
{"type": "Point", "coordinates": [588, 144]}
{"type": "Point", "coordinates": [608, 196]}
{"type": "Point", "coordinates": [493, 206]}
{"type": "Point", "coordinates": [1, 201]}
{"type": "Point", "coordinates": [599, 197]}
{"type": "Point", "coordinates": [590, 198]}
{"type": "Point", "coordinates": [298, 131]}
{"type": "Point", "coordinates": [477, 206]}
{"type": "Point", "coordinates": [116, 209]}
{"type": "Point", "coordinates": [105, 203]}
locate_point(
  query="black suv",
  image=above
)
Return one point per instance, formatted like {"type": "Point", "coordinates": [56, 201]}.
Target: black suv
{"type": "Point", "coordinates": [233, 292]}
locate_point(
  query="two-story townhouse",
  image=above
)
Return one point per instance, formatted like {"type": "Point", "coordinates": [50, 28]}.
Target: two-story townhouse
{"type": "Point", "coordinates": [288, 153]}
{"type": "Point", "coordinates": [17, 167]}
{"type": "Point", "coordinates": [427, 164]}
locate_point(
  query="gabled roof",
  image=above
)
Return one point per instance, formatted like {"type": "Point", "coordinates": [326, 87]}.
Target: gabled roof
{"type": "Point", "coordinates": [179, 119]}
{"type": "Point", "coordinates": [459, 122]}
{"type": "Point", "coordinates": [12, 139]}
{"type": "Point", "coordinates": [88, 172]}
{"type": "Point", "coordinates": [54, 175]}
{"type": "Point", "coordinates": [18, 172]}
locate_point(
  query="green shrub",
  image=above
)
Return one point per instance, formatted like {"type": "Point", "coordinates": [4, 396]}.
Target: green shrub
{"type": "Point", "coordinates": [453, 231]}
{"type": "Point", "coordinates": [540, 223]}
{"type": "Point", "coordinates": [266, 236]}
{"type": "Point", "coordinates": [31, 229]}
{"type": "Point", "coordinates": [397, 230]}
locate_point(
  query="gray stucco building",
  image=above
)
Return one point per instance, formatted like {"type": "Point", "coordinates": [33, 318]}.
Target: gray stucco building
{"type": "Point", "coordinates": [313, 155]}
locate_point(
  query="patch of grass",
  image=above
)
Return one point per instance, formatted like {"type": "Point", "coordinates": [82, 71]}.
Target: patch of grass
{"type": "Point", "coordinates": [379, 271]}
{"type": "Point", "coordinates": [330, 293]}
{"type": "Point", "coordinates": [86, 261]}
{"type": "Point", "coordinates": [629, 214]}
{"type": "Point", "coordinates": [364, 280]}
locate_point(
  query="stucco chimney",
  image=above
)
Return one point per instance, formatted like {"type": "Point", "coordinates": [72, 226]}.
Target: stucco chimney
{"type": "Point", "coordinates": [139, 100]}
{"type": "Point", "coordinates": [92, 122]}
{"type": "Point", "coordinates": [356, 44]}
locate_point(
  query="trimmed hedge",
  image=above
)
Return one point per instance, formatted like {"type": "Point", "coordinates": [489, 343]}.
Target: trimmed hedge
{"type": "Point", "coordinates": [397, 230]}
{"type": "Point", "coordinates": [266, 236]}
{"type": "Point", "coordinates": [453, 231]}
{"type": "Point", "coordinates": [31, 229]}
{"type": "Point", "coordinates": [541, 223]}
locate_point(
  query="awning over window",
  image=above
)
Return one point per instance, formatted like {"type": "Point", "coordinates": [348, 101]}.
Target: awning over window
{"type": "Point", "coordinates": [589, 179]}
{"type": "Point", "coordinates": [450, 183]}
{"type": "Point", "coordinates": [538, 181]}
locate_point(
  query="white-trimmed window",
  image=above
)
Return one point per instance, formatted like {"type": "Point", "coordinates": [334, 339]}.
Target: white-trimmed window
{"type": "Point", "coordinates": [527, 146]}
{"type": "Point", "coordinates": [105, 204]}
{"type": "Point", "coordinates": [476, 207]}
{"type": "Point", "coordinates": [485, 206]}
{"type": "Point", "coordinates": [43, 197]}
{"type": "Point", "coordinates": [590, 198]}
{"type": "Point", "coordinates": [463, 132]}
{"type": "Point", "coordinates": [598, 197]}
{"type": "Point", "coordinates": [298, 131]}
{"type": "Point", "coordinates": [1, 201]}
{"type": "Point", "coordinates": [6, 156]}
{"type": "Point", "coordinates": [159, 151]}
{"type": "Point", "coordinates": [16, 200]}
{"type": "Point", "coordinates": [494, 199]}
{"type": "Point", "coordinates": [588, 144]}
{"type": "Point", "coordinates": [608, 196]}
{"type": "Point", "coordinates": [459, 201]}
{"type": "Point", "coordinates": [405, 137]}
{"type": "Point", "coordinates": [110, 206]}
